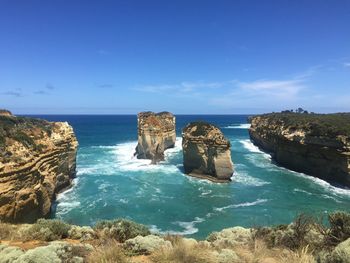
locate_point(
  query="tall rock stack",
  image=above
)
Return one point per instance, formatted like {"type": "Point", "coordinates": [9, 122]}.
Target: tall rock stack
{"type": "Point", "coordinates": [37, 160]}
{"type": "Point", "coordinates": [156, 133]}
{"type": "Point", "coordinates": [206, 152]}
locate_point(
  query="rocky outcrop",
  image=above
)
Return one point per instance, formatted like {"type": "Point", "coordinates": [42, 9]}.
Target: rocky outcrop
{"type": "Point", "coordinates": [5, 113]}
{"type": "Point", "coordinates": [206, 152]}
{"type": "Point", "coordinates": [156, 133]}
{"type": "Point", "coordinates": [315, 144]}
{"type": "Point", "coordinates": [37, 160]}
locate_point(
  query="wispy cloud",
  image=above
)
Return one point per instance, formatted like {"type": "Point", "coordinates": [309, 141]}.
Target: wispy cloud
{"type": "Point", "coordinates": [185, 87]}
{"type": "Point", "coordinates": [346, 64]}
{"type": "Point", "coordinates": [41, 92]}
{"type": "Point", "coordinates": [46, 91]}
{"type": "Point", "coordinates": [13, 93]}
{"type": "Point", "coordinates": [50, 86]}
{"type": "Point", "coordinates": [105, 86]}
{"type": "Point", "coordinates": [103, 52]}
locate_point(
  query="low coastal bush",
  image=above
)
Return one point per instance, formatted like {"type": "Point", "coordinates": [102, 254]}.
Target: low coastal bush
{"type": "Point", "coordinates": [47, 230]}
{"type": "Point", "coordinates": [121, 229]}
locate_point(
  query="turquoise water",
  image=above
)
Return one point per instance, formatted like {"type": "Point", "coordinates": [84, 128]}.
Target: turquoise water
{"type": "Point", "coordinates": [111, 183]}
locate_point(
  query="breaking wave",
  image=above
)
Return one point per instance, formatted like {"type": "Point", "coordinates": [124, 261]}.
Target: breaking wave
{"type": "Point", "coordinates": [238, 126]}
{"type": "Point", "coordinates": [258, 201]}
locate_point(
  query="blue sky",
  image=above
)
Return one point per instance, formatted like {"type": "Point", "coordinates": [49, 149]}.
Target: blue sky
{"type": "Point", "coordinates": [118, 57]}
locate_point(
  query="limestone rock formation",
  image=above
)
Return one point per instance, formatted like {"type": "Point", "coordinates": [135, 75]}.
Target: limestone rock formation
{"type": "Point", "coordinates": [37, 160]}
{"type": "Point", "coordinates": [315, 144]}
{"type": "Point", "coordinates": [156, 133]}
{"type": "Point", "coordinates": [206, 152]}
{"type": "Point", "coordinates": [5, 112]}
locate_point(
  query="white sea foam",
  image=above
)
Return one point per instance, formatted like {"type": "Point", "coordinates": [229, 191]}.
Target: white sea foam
{"type": "Point", "coordinates": [189, 227]}
{"type": "Point", "coordinates": [238, 126]}
{"type": "Point", "coordinates": [325, 185]}
{"type": "Point", "coordinates": [258, 201]}
{"type": "Point", "coordinates": [301, 191]}
{"type": "Point", "coordinates": [126, 160]}
{"type": "Point", "coordinates": [244, 178]}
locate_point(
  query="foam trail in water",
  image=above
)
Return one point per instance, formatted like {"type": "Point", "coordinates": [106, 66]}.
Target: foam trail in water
{"type": "Point", "coordinates": [189, 227]}
{"type": "Point", "coordinates": [258, 201]}
{"type": "Point", "coordinates": [238, 126]}
{"type": "Point", "coordinates": [244, 178]}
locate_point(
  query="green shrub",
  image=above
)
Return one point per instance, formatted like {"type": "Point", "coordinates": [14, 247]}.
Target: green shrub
{"type": "Point", "coordinates": [122, 229]}
{"type": "Point", "coordinates": [47, 230]}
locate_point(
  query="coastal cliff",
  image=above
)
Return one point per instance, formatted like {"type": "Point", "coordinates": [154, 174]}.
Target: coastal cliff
{"type": "Point", "coordinates": [37, 160]}
{"type": "Point", "coordinates": [156, 133]}
{"type": "Point", "coordinates": [315, 144]}
{"type": "Point", "coordinates": [206, 152]}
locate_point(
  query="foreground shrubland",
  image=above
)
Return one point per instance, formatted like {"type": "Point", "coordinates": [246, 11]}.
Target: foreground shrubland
{"type": "Point", "coordinates": [305, 240]}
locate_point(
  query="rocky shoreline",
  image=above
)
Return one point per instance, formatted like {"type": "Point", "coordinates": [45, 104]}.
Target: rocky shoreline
{"type": "Point", "coordinates": [37, 161]}
{"type": "Point", "coordinates": [315, 144]}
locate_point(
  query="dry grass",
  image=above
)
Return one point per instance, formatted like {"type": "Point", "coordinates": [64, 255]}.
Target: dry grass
{"type": "Point", "coordinates": [182, 253]}
{"type": "Point", "coordinates": [8, 231]}
{"type": "Point", "coordinates": [258, 252]}
{"type": "Point", "coordinates": [108, 253]}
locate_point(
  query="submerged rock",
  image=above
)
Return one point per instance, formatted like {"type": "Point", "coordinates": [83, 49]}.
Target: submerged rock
{"type": "Point", "coordinates": [206, 152]}
{"type": "Point", "coordinates": [156, 133]}
{"type": "Point", "coordinates": [315, 144]}
{"type": "Point", "coordinates": [37, 160]}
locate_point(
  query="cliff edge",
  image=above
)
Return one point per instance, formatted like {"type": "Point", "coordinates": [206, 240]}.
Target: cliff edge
{"type": "Point", "coordinates": [315, 144]}
{"type": "Point", "coordinates": [156, 133]}
{"type": "Point", "coordinates": [37, 160]}
{"type": "Point", "coordinates": [206, 152]}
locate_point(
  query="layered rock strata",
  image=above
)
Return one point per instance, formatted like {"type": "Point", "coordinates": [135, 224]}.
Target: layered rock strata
{"type": "Point", "coordinates": [156, 133]}
{"type": "Point", "coordinates": [315, 144]}
{"type": "Point", "coordinates": [206, 152]}
{"type": "Point", "coordinates": [37, 160]}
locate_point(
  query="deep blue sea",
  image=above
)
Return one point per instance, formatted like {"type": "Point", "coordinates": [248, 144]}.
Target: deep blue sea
{"type": "Point", "coordinates": [111, 183]}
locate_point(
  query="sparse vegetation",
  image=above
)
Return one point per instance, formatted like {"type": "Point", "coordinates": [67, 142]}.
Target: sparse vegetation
{"type": "Point", "coordinates": [183, 253]}
{"type": "Point", "coordinates": [20, 129]}
{"type": "Point", "coordinates": [111, 252]}
{"type": "Point", "coordinates": [47, 230]}
{"type": "Point", "coordinates": [306, 240]}
{"type": "Point", "coordinates": [328, 125]}
{"type": "Point", "coordinates": [121, 229]}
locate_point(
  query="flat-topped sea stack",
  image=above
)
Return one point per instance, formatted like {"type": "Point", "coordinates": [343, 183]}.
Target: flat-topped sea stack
{"type": "Point", "coordinates": [206, 152]}
{"type": "Point", "coordinates": [315, 144]}
{"type": "Point", "coordinates": [37, 160]}
{"type": "Point", "coordinates": [156, 133]}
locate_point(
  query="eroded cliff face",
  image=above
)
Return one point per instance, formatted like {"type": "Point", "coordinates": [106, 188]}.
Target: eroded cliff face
{"type": "Point", "coordinates": [156, 133]}
{"type": "Point", "coordinates": [318, 145]}
{"type": "Point", "coordinates": [206, 152]}
{"type": "Point", "coordinates": [37, 160]}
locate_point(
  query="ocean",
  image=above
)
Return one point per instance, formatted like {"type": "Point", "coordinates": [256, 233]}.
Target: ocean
{"type": "Point", "coordinates": [112, 184]}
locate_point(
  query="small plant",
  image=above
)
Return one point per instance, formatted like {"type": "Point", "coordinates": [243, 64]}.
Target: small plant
{"type": "Point", "coordinates": [47, 230]}
{"type": "Point", "coordinates": [122, 229]}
